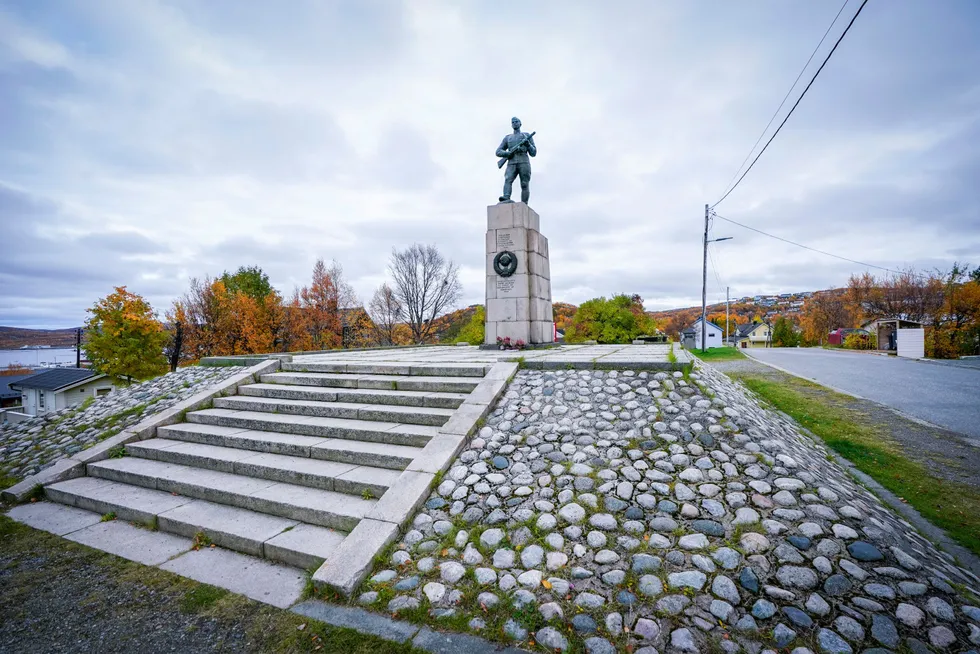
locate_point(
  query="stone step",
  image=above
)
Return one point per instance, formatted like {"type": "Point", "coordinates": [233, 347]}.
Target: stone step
{"type": "Point", "coordinates": [374, 382]}
{"type": "Point", "coordinates": [384, 368]}
{"type": "Point", "coordinates": [363, 430]}
{"type": "Point", "coordinates": [378, 455]}
{"type": "Point", "coordinates": [356, 395]}
{"type": "Point", "coordinates": [311, 505]}
{"type": "Point", "coordinates": [351, 478]}
{"type": "Point", "coordinates": [279, 539]}
{"type": "Point", "coordinates": [352, 411]}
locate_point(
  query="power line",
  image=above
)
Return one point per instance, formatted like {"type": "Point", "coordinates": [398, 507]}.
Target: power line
{"type": "Point", "coordinates": [786, 97]}
{"type": "Point", "coordinates": [795, 105]}
{"type": "Point", "coordinates": [807, 247]}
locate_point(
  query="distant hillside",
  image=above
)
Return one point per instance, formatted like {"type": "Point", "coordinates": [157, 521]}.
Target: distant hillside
{"type": "Point", "coordinates": [446, 328]}
{"type": "Point", "coordinates": [12, 338]}
{"type": "Point", "coordinates": [741, 310]}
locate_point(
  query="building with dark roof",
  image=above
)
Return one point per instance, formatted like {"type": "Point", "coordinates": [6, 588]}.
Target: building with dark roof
{"type": "Point", "coordinates": [8, 396]}
{"type": "Point", "coordinates": [57, 388]}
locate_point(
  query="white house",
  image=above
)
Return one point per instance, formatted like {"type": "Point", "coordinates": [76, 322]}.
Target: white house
{"type": "Point", "coordinates": [691, 337]}
{"type": "Point", "coordinates": [58, 388]}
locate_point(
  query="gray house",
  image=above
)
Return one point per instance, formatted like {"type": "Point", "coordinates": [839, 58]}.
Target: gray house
{"type": "Point", "coordinates": [57, 388]}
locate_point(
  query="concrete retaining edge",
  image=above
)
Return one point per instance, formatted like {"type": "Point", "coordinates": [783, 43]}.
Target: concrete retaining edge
{"type": "Point", "coordinates": [399, 631]}
{"type": "Point", "coordinates": [74, 466]}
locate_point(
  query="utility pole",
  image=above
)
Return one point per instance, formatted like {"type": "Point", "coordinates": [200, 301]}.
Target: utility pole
{"type": "Point", "coordinates": [727, 336]}
{"type": "Point", "coordinates": [78, 348]}
{"type": "Point", "coordinates": [704, 284]}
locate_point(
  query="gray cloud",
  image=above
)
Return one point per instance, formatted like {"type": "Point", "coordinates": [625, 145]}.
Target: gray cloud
{"type": "Point", "coordinates": [149, 143]}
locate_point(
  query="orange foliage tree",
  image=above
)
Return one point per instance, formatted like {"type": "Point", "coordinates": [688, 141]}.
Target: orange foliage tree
{"type": "Point", "coordinates": [825, 311]}
{"type": "Point", "coordinates": [321, 327]}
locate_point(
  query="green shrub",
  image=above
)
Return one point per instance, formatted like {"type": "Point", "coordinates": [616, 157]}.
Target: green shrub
{"type": "Point", "coordinates": [474, 331]}
{"type": "Point", "coordinates": [619, 319]}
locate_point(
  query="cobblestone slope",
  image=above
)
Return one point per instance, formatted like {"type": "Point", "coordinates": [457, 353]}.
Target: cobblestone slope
{"type": "Point", "coordinates": [622, 511]}
{"type": "Point", "coordinates": [28, 447]}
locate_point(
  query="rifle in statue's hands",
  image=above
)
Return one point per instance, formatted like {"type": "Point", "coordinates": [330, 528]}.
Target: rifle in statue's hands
{"type": "Point", "coordinates": [525, 141]}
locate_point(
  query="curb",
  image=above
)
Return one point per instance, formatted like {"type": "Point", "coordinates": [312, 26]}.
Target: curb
{"type": "Point", "coordinates": [399, 631]}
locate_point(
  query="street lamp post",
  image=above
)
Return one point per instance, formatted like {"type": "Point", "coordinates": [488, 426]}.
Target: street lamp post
{"type": "Point", "coordinates": [704, 277]}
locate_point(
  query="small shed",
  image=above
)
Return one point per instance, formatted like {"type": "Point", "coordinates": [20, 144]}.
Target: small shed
{"type": "Point", "coordinates": [906, 338]}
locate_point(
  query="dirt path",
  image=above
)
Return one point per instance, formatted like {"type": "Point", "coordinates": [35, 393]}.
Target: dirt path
{"type": "Point", "coordinates": [944, 453]}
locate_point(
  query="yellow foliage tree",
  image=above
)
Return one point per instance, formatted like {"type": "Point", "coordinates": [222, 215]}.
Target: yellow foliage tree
{"type": "Point", "coordinates": [124, 338]}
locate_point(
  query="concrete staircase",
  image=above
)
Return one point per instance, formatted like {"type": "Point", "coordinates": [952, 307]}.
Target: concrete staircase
{"type": "Point", "coordinates": [308, 465]}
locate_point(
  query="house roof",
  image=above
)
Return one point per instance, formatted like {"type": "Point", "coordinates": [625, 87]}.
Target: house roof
{"type": "Point", "coordinates": [898, 320]}
{"type": "Point", "coordinates": [698, 322]}
{"type": "Point", "coordinates": [748, 328]}
{"type": "Point", "coordinates": [5, 382]}
{"type": "Point", "coordinates": [57, 378]}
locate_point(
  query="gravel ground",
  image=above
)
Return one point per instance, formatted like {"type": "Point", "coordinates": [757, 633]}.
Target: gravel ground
{"type": "Point", "coordinates": [944, 453]}
{"type": "Point", "coordinates": [633, 512]}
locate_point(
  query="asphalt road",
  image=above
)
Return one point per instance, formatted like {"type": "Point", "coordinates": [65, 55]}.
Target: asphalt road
{"type": "Point", "coordinates": [943, 394]}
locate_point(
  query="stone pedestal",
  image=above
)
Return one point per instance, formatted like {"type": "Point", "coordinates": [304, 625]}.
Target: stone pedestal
{"type": "Point", "coordinates": [518, 306]}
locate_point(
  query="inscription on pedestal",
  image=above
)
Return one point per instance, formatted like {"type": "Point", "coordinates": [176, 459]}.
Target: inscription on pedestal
{"type": "Point", "coordinates": [505, 241]}
{"type": "Point", "coordinates": [505, 285]}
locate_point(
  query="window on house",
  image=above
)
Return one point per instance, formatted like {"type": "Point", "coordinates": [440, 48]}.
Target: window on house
{"type": "Point", "coordinates": [40, 399]}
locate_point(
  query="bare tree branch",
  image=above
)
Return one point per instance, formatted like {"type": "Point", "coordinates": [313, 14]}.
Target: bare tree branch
{"type": "Point", "coordinates": [426, 284]}
{"type": "Point", "coordinates": [386, 311]}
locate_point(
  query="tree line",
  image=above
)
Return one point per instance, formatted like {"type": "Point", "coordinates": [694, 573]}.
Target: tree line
{"type": "Point", "coordinates": [947, 303]}
{"type": "Point", "coordinates": [241, 313]}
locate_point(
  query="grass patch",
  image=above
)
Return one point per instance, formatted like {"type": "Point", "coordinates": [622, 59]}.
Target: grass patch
{"type": "Point", "coordinates": [718, 354]}
{"type": "Point", "coordinates": [949, 505]}
{"type": "Point", "coordinates": [200, 598]}
{"type": "Point", "coordinates": [96, 583]}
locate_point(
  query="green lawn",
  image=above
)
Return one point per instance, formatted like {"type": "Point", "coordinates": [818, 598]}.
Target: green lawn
{"type": "Point", "coordinates": [718, 354]}
{"type": "Point", "coordinates": [947, 504]}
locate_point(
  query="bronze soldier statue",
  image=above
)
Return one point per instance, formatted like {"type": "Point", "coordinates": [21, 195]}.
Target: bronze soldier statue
{"type": "Point", "coordinates": [514, 151]}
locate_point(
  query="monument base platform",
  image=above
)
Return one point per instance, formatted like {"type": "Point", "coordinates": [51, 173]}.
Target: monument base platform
{"type": "Point", "coordinates": [519, 295]}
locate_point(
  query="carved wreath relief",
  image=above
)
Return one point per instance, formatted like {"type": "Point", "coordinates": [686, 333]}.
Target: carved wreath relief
{"type": "Point", "coordinates": [505, 263]}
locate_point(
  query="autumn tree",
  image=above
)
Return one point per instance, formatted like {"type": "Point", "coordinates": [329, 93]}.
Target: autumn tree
{"type": "Point", "coordinates": [124, 338]}
{"type": "Point", "coordinates": [386, 311]}
{"type": "Point", "coordinates": [825, 311]}
{"type": "Point", "coordinates": [562, 314]}
{"type": "Point", "coordinates": [907, 295]}
{"type": "Point", "coordinates": [358, 329]}
{"type": "Point", "coordinates": [203, 330]}
{"type": "Point", "coordinates": [320, 302]}
{"type": "Point", "coordinates": [426, 284]}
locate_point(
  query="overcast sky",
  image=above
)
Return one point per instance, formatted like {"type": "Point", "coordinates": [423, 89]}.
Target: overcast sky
{"type": "Point", "coordinates": [145, 142]}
